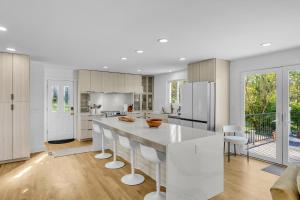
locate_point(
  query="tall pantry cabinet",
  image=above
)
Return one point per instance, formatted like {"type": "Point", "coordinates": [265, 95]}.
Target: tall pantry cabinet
{"type": "Point", "coordinates": [14, 106]}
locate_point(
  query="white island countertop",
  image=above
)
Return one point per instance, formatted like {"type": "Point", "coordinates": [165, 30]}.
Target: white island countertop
{"type": "Point", "coordinates": [159, 137]}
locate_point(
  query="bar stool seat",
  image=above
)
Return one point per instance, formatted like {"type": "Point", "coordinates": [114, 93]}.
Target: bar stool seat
{"type": "Point", "coordinates": [115, 164]}
{"type": "Point", "coordinates": [132, 178]}
{"type": "Point", "coordinates": [157, 157]}
{"type": "Point", "coordinates": [98, 132]}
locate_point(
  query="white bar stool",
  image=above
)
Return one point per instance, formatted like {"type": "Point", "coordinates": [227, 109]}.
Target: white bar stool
{"type": "Point", "coordinates": [157, 157]}
{"type": "Point", "coordinates": [133, 178]}
{"type": "Point", "coordinates": [97, 131]}
{"type": "Point", "coordinates": [113, 164]}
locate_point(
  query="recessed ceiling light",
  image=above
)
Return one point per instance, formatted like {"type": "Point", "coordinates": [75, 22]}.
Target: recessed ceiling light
{"type": "Point", "coordinates": [266, 44]}
{"type": "Point", "coordinates": [139, 70]}
{"type": "Point", "coordinates": [105, 67]}
{"type": "Point", "coordinates": [182, 59]}
{"type": "Point", "coordinates": [139, 51]}
{"type": "Point", "coordinates": [170, 70]}
{"type": "Point", "coordinates": [124, 58]}
{"type": "Point", "coordinates": [2, 28]}
{"type": "Point", "coordinates": [11, 49]}
{"type": "Point", "coordinates": [162, 40]}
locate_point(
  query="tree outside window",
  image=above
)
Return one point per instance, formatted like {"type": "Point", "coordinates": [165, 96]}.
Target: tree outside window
{"type": "Point", "coordinates": [174, 91]}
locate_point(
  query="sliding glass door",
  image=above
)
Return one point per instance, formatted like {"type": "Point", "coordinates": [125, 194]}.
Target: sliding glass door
{"type": "Point", "coordinates": [261, 113]}
{"type": "Point", "coordinates": [271, 113]}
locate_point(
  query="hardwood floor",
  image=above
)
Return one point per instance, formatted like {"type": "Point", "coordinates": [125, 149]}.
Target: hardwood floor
{"type": "Point", "coordinates": [83, 177]}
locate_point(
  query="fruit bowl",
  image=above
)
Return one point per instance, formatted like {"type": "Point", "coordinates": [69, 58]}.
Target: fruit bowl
{"type": "Point", "coordinates": [154, 122]}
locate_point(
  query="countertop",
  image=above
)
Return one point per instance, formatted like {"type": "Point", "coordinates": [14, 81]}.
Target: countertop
{"type": "Point", "coordinates": [158, 138]}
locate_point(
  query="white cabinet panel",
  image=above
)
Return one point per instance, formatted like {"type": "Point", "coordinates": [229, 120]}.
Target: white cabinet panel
{"type": "Point", "coordinates": [5, 131]}
{"type": "Point", "coordinates": [5, 77]}
{"type": "Point", "coordinates": [20, 130]}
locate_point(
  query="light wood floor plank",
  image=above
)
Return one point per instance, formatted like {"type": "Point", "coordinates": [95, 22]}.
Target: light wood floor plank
{"type": "Point", "coordinates": [83, 177]}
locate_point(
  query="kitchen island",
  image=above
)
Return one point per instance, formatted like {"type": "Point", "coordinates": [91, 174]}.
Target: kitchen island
{"type": "Point", "coordinates": [194, 157]}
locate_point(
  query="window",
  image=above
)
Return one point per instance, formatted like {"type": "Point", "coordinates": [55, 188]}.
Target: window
{"type": "Point", "coordinates": [67, 106]}
{"type": "Point", "coordinates": [54, 102]}
{"type": "Point", "coordinates": [174, 90]}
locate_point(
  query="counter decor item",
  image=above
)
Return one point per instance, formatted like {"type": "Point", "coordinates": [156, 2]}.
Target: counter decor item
{"type": "Point", "coordinates": [126, 118]}
{"type": "Point", "coordinates": [153, 123]}
{"type": "Point", "coordinates": [130, 108]}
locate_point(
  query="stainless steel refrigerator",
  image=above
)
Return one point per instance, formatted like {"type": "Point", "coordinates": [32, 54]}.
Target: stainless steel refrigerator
{"type": "Point", "coordinates": [198, 105]}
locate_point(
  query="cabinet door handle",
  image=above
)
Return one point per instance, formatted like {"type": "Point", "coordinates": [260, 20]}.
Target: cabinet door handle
{"type": "Point", "coordinates": [12, 106]}
{"type": "Point", "coordinates": [12, 96]}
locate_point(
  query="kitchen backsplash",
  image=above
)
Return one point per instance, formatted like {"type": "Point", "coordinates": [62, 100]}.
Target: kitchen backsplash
{"type": "Point", "coordinates": [111, 101]}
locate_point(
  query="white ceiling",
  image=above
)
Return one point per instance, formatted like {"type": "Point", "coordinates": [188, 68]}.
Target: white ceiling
{"type": "Point", "coordinates": [94, 33]}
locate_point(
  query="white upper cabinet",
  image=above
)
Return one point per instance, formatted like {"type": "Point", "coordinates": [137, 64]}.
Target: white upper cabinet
{"type": "Point", "coordinates": [84, 80]}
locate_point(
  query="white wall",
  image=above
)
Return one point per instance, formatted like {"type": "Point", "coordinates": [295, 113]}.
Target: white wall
{"type": "Point", "coordinates": [237, 67]}
{"type": "Point", "coordinates": [40, 72]}
{"type": "Point", "coordinates": [161, 89]}
{"type": "Point", "coordinates": [36, 107]}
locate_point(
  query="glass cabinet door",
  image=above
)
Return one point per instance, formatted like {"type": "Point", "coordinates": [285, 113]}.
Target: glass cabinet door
{"type": "Point", "coordinates": [150, 84]}
{"type": "Point", "coordinates": [144, 102]}
{"type": "Point", "coordinates": [137, 102]}
{"type": "Point", "coordinates": [150, 102]}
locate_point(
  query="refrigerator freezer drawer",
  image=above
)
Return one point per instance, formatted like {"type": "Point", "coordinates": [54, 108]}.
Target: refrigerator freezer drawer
{"type": "Point", "coordinates": [186, 123]}
{"type": "Point", "coordinates": [200, 125]}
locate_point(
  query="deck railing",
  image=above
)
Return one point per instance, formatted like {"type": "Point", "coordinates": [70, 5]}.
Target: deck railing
{"type": "Point", "coordinates": [260, 127]}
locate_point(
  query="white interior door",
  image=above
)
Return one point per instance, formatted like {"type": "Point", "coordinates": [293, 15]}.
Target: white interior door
{"type": "Point", "coordinates": [60, 120]}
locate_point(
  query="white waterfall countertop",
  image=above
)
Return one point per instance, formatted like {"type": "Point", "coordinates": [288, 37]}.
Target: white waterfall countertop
{"type": "Point", "coordinates": [159, 137]}
{"type": "Point", "coordinates": [194, 157]}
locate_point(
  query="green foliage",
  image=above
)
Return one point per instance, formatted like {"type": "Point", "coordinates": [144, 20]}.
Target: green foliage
{"type": "Point", "coordinates": [260, 99]}
{"type": "Point", "coordinates": [260, 102]}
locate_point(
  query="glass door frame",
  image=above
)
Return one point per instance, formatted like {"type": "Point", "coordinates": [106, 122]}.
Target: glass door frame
{"type": "Point", "coordinates": [285, 116]}
{"type": "Point", "coordinates": [279, 125]}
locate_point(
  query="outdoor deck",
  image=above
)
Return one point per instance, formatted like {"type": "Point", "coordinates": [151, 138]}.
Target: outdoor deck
{"type": "Point", "coordinates": [269, 150]}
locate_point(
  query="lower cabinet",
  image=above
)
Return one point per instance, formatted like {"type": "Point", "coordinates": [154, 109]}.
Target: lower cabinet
{"type": "Point", "coordinates": [86, 127]}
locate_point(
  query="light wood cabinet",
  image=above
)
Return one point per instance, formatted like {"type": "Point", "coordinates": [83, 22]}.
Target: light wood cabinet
{"type": "Point", "coordinates": [193, 72]}
{"type": "Point", "coordinates": [108, 82]}
{"type": "Point", "coordinates": [84, 80]}
{"type": "Point", "coordinates": [14, 106]}
{"type": "Point", "coordinates": [96, 81]}
{"type": "Point", "coordinates": [5, 77]}
{"type": "Point", "coordinates": [207, 70]}
{"type": "Point", "coordinates": [20, 130]}
{"type": "Point", "coordinates": [6, 131]}
{"type": "Point", "coordinates": [20, 78]}
{"type": "Point", "coordinates": [202, 71]}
